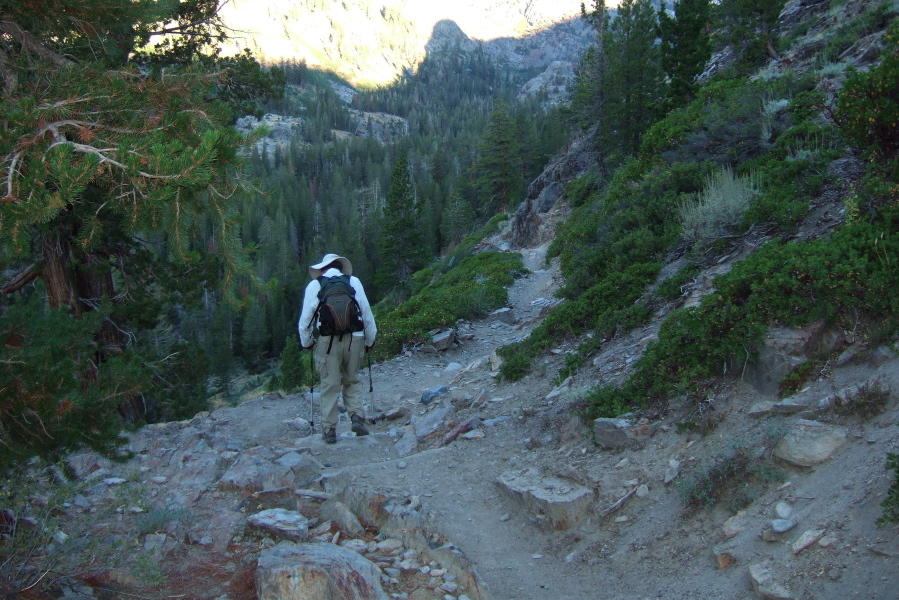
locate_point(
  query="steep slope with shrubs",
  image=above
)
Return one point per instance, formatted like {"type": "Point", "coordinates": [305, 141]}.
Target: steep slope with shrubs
{"type": "Point", "coordinates": [798, 161]}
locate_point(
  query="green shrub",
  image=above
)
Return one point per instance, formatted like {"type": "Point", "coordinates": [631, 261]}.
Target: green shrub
{"type": "Point", "coordinates": [157, 519]}
{"type": "Point", "coordinates": [891, 502]}
{"type": "Point", "coordinates": [736, 477]}
{"type": "Point", "coordinates": [793, 173]}
{"type": "Point", "coordinates": [869, 401]}
{"type": "Point", "coordinates": [606, 306]}
{"type": "Point", "coordinates": [867, 110]}
{"type": "Point", "coordinates": [875, 19]}
{"type": "Point", "coordinates": [473, 288]}
{"type": "Point", "coordinates": [796, 378]}
{"type": "Point", "coordinates": [579, 191]}
{"type": "Point", "coordinates": [789, 284]}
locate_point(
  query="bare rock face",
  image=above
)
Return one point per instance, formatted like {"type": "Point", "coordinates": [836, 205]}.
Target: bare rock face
{"type": "Point", "coordinates": [544, 191]}
{"type": "Point", "coordinates": [783, 350]}
{"type": "Point", "coordinates": [316, 572]}
{"type": "Point", "coordinates": [553, 503]}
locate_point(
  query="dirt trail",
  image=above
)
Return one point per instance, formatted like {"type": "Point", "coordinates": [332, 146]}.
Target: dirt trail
{"type": "Point", "coordinates": [649, 548]}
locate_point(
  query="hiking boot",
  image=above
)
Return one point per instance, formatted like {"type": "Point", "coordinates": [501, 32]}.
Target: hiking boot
{"type": "Point", "coordinates": [358, 425]}
{"type": "Point", "coordinates": [330, 435]}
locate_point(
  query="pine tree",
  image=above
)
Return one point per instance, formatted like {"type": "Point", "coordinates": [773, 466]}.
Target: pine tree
{"type": "Point", "coordinates": [458, 219]}
{"type": "Point", "coordinates": [499, 167]}
{"type": "Point", "coordinates": [633, 85]}
{"type": "Point", "coordinates": [685, 46]}
{"type": "Point", "coordinates": [109, 145]}
{"type": "Point", "coordinates": [750, 27]}
{"type": "Point", "coordinates": [401, 242]}
{"type": "Point", "coordinates": [294, 371]}
{"type": "Point", "coordinates": [254, 338]}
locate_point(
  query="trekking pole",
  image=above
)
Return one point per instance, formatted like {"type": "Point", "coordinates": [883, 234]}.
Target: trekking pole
{"type": "Point", "coordinates": [311, 387]}
{"type": "Point", "coordinates": [371, 388]}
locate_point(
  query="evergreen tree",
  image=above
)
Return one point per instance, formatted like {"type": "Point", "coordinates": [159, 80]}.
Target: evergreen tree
{"type": "Point", "coordinates": [685, 46]}
{"type": "Point", "coordinates": [458, 219]}
{"type": "Point", "coordinates": [499, 167]}
{"type": "Point", "coordinates": [749, 26]}
{"type": "Point", "coordinates": [294, 371]}
{"type": "Point", "coordinates": [254, 338]}
{"type": "Point", "coordinates": [106, 153]}
{"type": "Point", "coordinates": [589, 98]}
{"type": "Point", "coordinates": [401, 240]}
{"type": "Point", "coordinates": [633, 86]}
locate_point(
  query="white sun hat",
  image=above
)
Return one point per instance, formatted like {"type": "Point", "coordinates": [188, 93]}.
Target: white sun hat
{"type": "Point", "coordinates": [315, 271]}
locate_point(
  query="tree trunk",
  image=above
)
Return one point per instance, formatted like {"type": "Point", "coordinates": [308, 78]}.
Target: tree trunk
{"type": "Point", "coordinates": [81, 290]}
{"type": "Point", "coordinates": [58, 275]}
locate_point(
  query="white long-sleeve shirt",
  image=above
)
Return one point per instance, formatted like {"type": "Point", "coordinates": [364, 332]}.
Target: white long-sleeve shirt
{"type": "Point", "coordinates": [310, 303]}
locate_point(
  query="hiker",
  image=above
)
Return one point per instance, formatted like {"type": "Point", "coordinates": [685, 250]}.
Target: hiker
{"type": "Point", "coordinates": [338, 355]}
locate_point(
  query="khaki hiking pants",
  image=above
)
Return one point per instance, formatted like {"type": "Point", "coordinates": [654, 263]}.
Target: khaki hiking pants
{"type": "Point", "coordinates": [338, 370]}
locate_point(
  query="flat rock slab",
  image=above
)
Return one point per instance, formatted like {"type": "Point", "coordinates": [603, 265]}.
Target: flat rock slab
{"type": "Point", "coordinates": [553, 503]}
{"type": "Point", "coordinates": [809, 443]}
{"type": "Point", "coordinates": [764, 584]}
{"type": "Point", "coordinates": [316, 572]}
{"type": "Point", "coordinates": [283, 524]}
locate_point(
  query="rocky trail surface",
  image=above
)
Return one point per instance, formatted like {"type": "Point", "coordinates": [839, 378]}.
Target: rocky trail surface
{"type": "Point", "coordinates": [472, 488]}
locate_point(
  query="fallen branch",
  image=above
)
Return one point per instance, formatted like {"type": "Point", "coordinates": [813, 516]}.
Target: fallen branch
{"type": "Point", "coordinates": [618, 504]}
{"type": "Point", "coordinates": [314, 495]}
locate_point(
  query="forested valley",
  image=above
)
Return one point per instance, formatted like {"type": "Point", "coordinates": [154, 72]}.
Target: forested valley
{"type": "Point", "coordinates": [469, 150]}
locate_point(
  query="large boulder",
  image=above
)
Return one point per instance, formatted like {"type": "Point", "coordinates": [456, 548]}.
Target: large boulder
{"type": "Point", "coordinates": [809, 443]}
{"type": "Point", "coordinates": [551, 502]}
{"type": "Point", "coordinates": [316, 572]}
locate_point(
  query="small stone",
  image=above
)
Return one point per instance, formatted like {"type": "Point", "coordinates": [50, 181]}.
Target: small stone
{"type": "Point", "coordinates": [782, 525]}
{"type": "Point", "coordinates": [390, 544]}
{"type": "Point", "coordinates": [505, 517]}
{"type": "Point", "coordinates": [726, 559]}
{"type": "Point", "coordinates": [807, 539]}
{"type": "Point", "coordinates": [827, 541]}
{"type": "Point", "coordinates": [401, 464]}
{"type": "Point", "coordinates": [642, 491]}
{"type": "Point", "coordinates": [783, 510]}
{"type": "Point", "coordinates": [769, 536]}
{"type": "Point", "coordinates": [622, 519]}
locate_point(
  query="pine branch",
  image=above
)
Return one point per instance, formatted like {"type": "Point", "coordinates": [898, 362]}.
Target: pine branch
{"type": "Point", "coordinates": [31, 44]}
{"type": "Point", "coordinates": [10, 79]}
{"type": "Point", "coordinates": [20, 280]}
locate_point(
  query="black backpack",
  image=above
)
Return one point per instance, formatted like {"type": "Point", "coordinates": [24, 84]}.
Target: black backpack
{"type": "Point", "coordinates": [338, 311]}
